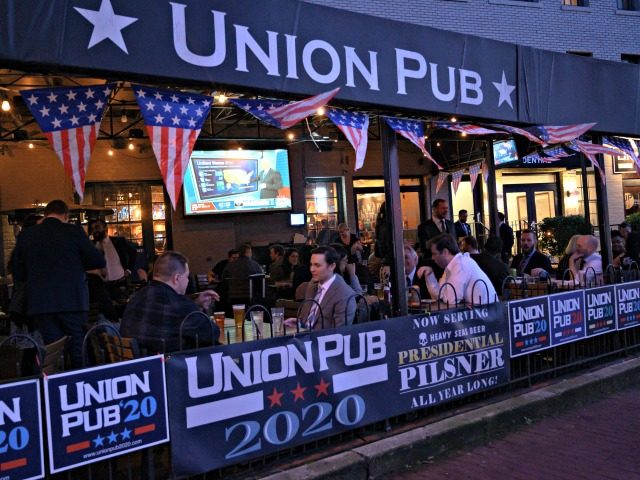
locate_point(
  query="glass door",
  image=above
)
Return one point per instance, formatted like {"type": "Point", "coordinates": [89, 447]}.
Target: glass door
{"type": "Point", "coordinates": [527, 205]}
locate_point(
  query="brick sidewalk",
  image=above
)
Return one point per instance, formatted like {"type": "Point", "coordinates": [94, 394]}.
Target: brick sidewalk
{"type": "Point", "coordinates": [597, 441]}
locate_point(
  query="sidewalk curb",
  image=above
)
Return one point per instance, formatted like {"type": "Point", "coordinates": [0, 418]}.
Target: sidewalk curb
{"type": "Point", "coordinates": [466, 429]}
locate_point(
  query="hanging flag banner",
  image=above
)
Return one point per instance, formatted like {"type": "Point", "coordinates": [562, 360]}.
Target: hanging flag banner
{"type": "Point", "coordinates": [628, 304]}
{"type": "Point", "coordinates": [354, 126]}
{"type": "Point", "coordinates": [442, 178]}
{"type": "Point", "coordinates": [106, 411]}
{"type": "Point", "coordinates": [70, 119]}
{"type": "Point", "coordinates": [21, 452]}
{"type": "Point", "coordinates": [529, 325]}
{"type": "Point", "coordinates": [255, 398]}
{"type": "Point", "coordinates": [455, 179]}
{"type": "Point", "coordinates": [473, 173]}
{"type": "Point", "coordinates": [173, 120]}
{"type": "Point", "coordinates": [413, 131]}
{"type": "Point", "coordinates": [285, 115]}
{"type": "Point", "coordinates": [590, 150]}
{"type": "Point", "coordinates": [600, 310]}
{"type": "Point", "coordinates": [559, 134]}
{"type": "Point", "coordinates": [466, 128]}
{"type": "Point", "coordinates": [485, 171]}
{"type": "Point", "coordinates": [517, 131]}
{"type": "Point", "coordinates": [624, 145]}
{"type": "Point", "coordinates": [567, 316]}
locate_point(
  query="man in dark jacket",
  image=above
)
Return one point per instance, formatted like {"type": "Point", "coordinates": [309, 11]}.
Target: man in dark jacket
{"type": "Point", "coordinates": [506, 235]}
{"type": "Point", "coordinates": [154, 314]}
{"type": "Point", "coordinates": [488, 261]}
{"type": "Point", "coordinates": [52, 259]}
{"type": "Point", "coordinates": [437, 224]}
{"type": "Point", "coordinates": [530, 261]}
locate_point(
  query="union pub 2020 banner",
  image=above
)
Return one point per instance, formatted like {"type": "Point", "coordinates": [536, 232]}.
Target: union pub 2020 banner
{"type": "Point", "coordinates": [241, 401]}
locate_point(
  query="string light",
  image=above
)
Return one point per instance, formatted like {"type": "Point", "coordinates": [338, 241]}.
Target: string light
{"type": "Point", "coordinates": [131, 146]}
{"type": "Point", "coordinates": [32, 146]}
{"type": "Point", "coordinates": [222, 98]}
{"type": "Point", "coordinates": [291, 136]}
{"type": "Point", "coordinates": [454, 119]}
{"type": "Point", "coordinates": [110, 153]}
{"type": "Point", "coordinates": [321, 111]}
{"type": "Point", "coordinates": [6, 106]}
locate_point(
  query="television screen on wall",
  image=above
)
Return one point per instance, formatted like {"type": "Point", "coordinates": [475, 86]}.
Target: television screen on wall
{"type": "Point", "coordinates": [236, 181]}
{"type": "Point", "coordinates": [504, 151]}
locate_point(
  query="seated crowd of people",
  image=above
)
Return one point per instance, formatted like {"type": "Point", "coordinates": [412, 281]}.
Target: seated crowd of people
{"type": "Point", "coordinates": [59, 270]}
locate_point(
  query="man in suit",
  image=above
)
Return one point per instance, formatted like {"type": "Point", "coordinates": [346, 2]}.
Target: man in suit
{"type": "Point", "coordinates": [329, 290]}
{"type": "Point", "coordinates": [437, 224]}
{"type": "Point", "coordinates": [119, 255]}
{"type": "Point", "coordinates": [52, 259]}
{"type": "Point", "coordinates": [506, 235]}
{"type": "Point", "coordinates": [269, 180]}
{"type": "Point", "coordinates": [410, 271]}
{"type": "Point", "coordinates": [530, 261]}
{"type": "Point", "coordinates": [462, 227]}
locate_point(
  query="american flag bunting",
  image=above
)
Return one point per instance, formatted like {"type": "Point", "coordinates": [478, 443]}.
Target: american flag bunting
{"type": "Point", "coordinates": [413, 131]}
{"type": "Point", "coordinates": [442, 178]}
{"type": "Point", "coordinates": [466, 128]}
{"type": "Point", "coordinates": [485, 172]}
{"type": "Point", "coordinates": [590, 150]}
{"type": "Point", "coordinates": [173, 120]}
{"type": "Point", "coordinates": [624, 145]}
{"type": "Point", "coordinates": [284, 115]}
{"type": "Point", "coordinates": [456, 177]}
{"type": "Point", "coordinates": [70, 119]}
{"type": "Point", "coordinates": [354, 126]}
{"type": "Point", "coordinates": [517, 131]}
{"type": "Point", "coordinates": [473, 173]}
{"type": "Point", "coordinates": [559, 134]}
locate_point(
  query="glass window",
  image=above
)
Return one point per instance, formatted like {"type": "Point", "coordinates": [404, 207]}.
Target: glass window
{"type": "Point", "coordinates": [630, 58]}
{"type": "Point", "coordinates": [633, 5]}
{"type": "Point", "coordinates": [323, 205]}
{"type": "Point", "coordinates": [576, 3]}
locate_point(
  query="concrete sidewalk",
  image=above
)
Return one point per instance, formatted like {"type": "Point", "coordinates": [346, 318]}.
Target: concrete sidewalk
{"type": "Point", "coordinates": [381, 458]}
{"type": "Point", "coordinates": [596, 441]}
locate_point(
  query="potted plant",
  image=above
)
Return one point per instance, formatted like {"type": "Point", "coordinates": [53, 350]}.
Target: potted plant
{"type": "Point", "coordinates": [554, 232]}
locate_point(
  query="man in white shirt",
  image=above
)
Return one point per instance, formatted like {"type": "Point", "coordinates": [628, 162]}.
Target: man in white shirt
{"type": "Point", "coordinates": [466, 281]}
{"type": "Point", "coordinates": [585, 258]}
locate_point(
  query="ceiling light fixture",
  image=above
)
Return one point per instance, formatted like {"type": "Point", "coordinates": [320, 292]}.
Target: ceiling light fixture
{"type": "Point", "coordinates": [6, 106]}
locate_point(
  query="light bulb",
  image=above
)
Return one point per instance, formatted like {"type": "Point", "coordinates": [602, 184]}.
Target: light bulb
{"type": "Point", "coordinates": [110, 153]}
{"type": "Point", "coordinates": [124, 118]}
{"type": "Point", "coordinates": [222, 98]}
{"type": "Point", "coordinates": [6, 106]}
{"type": "Point", "coordinates": [131, 146]}
{"type": "Point", "coordinates": [454, 119]}
{"type": "Point", "coordinates": [32, 146]}
{"type": "Point", "coordinates": [321, 111]}
{"type": "Point", "coordinates": [290, 136]}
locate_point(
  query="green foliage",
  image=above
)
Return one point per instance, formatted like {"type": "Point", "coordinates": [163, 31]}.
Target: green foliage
{"type": "Point", "coordinates": [554, 233]}
{"type": "Point", "coordinates": [634, 221]}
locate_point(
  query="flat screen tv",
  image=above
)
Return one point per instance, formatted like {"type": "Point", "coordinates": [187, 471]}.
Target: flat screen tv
{"type": "Point", "coordinates": [504, 152]}
{"type": "Point", "coordinates": [235, 181]}
{"type": "Point", "coordinates": [296, 219]}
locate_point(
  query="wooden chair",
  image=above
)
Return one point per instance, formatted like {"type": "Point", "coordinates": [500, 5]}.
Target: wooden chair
{"type": "Point", "coordinates": [119, 349]}
{"type": "Point", "coordinates": [54, 356]}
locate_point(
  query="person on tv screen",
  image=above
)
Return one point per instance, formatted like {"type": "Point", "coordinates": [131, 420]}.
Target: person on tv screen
{"type": "Point", "coordinates": [269, 179]}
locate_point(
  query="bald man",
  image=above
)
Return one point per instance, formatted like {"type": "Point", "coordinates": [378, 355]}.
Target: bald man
{"type": "Point", "coordinates": [585, 257]}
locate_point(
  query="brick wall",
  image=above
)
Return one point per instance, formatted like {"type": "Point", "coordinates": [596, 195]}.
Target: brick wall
{"type": "Point", "coordinates": [546, 24]}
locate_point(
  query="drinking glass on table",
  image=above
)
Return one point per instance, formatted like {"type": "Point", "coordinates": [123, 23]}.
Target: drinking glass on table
{"type": "Point", "coordinates": [218, 317]}
{"type": "Point", "coordinates": [379, 288]}
{"type": "Point", "coordinates": [238, 315]}
{"type": "Point", "coordinates": [257, 320]}
{"type": "Point", "coordinates": [277, 317]}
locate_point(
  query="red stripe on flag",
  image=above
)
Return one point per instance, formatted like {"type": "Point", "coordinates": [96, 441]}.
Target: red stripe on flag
{"type": "Point", "coordinates": [66, 158]}
{"type": "Point", "coordinates": [144, 429]}
{"type": "Point", "coordinates": [19, 462]}
{"type": "Point", "coordinates": [80, 142]}
{"type": "Point", "coordinates": [76, 447]}
{"type": "Point", "coordinates": [177, 164]}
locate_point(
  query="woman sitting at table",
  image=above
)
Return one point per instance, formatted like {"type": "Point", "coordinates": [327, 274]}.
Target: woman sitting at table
{"type": "Point", "coordinates": [563, 264]}
{"type": "Point", "coordinates": [302, 272]}
{"type": "Point", "coordinates": [290, 262]}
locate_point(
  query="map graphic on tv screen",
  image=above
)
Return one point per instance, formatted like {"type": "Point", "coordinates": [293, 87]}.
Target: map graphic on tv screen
{"type": "Point", "coordinates": [226, 181]}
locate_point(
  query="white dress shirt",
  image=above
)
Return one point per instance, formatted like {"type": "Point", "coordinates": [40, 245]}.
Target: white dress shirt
{"type": "Point", "coordinates": [462, 273]}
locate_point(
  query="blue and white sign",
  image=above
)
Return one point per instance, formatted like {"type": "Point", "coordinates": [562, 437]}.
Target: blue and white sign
{"type": "Point", "coordinates": [600, 310]}
{"type": "Point", "coordinates": [21, 452]}
{"type": "Point", "coordinates": [529, 325]}
{"type": "Point", "coordinates": [106, 411]}
{"type": "Point", "coordinates": [628, 304]}
{"type": "Point", "coordinates": [566, 317]}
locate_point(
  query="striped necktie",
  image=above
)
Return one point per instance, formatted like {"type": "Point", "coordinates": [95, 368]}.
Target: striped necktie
{"type": "Point", "coordinates": [312, 318]}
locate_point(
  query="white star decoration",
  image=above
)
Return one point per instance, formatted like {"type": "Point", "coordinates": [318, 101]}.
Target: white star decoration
{"type": "Point", "coordinates": [504, 89]}
{"type": "Point", "coordinates": [106, 24]}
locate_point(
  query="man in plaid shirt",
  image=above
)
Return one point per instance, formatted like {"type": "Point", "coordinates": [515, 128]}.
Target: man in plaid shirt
{"type": "Point", "coordinates": [154, 314]}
